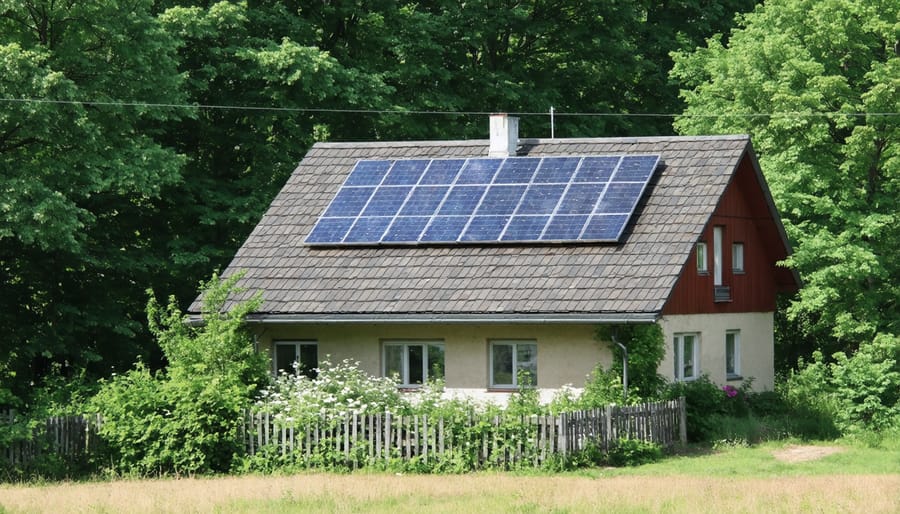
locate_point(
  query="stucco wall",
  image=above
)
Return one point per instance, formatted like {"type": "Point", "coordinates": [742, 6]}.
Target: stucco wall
{"type": "Point", "coordinates": [566, 353]}
{"type": "Point", "coordinates": [757, 345]}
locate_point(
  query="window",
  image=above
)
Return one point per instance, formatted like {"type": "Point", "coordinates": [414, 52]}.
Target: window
{"type": "Point", "coordinates": [296, 358]}
{"type": "Point", "coordinates": [413, 363]}
{"type": "Point", "coordinates": [733, 354]}
{"type": "Point", "coordinates": [701, 258]}
{"type": "Point", "coordinates": [737, 257]}
{"type": "Point", "coordinates": [687, 356]}
{"type": "Point", "coordinates": [509, 358]}
{"type": "Point", "coordinates": [718, 232]}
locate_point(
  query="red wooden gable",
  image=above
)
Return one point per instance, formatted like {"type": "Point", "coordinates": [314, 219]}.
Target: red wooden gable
{"type": "Point", "coordinates": [745, 217]}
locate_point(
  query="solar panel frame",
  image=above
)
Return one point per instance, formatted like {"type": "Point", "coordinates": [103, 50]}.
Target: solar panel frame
{"type": "Point", "coordinates": [529, 200]}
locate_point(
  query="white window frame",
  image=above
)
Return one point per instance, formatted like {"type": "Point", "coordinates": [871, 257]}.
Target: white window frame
{"type": "Point", "coordinates": [678, 357]}
{"type": "Point", "coordinates": [718, 236]}
{"type": "Point", "coordinates": [736, 350]}
{"type": "Point", "coordinates": [404, 346]}
{"type": "Point", "coordinates": [702, 260]}
{"type": "Point", "coordinates": [514, 343]}
{"type": "Point", "coordinates": [297, 344]}
{"type": "Point", "coordinates": [737, 257]}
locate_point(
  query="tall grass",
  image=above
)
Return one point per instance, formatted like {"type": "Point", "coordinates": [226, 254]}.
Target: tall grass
{"type": "Point", "coordinates": [856, 479]}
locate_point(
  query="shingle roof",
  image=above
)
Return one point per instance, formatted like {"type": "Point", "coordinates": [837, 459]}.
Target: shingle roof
{"type": "Point", "coordinates": [485, 282]}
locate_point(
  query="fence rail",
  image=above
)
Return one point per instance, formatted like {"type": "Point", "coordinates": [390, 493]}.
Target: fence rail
{"type": "Point", "coordinates": [502, 440]}
{"type": "Point", "coordinates": [65, 436]}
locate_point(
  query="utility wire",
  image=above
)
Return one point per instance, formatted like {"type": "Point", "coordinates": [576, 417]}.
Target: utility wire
{"type": "Point", "coordinates": [432, 112]}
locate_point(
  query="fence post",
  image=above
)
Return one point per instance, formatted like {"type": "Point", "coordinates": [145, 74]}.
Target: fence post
{"type": "Point", "coordinates": [682, 420]}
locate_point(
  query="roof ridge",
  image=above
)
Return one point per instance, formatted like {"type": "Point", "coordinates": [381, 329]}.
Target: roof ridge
{"type": "Point", "coordinates": [528, 141]}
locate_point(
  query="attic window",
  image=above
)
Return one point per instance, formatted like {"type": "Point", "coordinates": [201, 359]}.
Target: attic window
{"type": "Point", "coordinates": [558, 199]}
{"type": "Point", "coordinates": [702, 266]}
{"type": "Point", "coordinates": [737, 257]}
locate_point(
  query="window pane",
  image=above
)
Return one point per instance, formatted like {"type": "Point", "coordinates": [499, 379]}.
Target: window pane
{"type": "Point", "coordinates": [435, 361]}
{"type": "Point", "coordinates": [393, 361]}
{"type": "Point", "coordinates": [701, 257]}
{"type": "Point", "coordinates": [526, 361]}
{"type": "Point", "coordinates": [688, 356]}
{"type": "Point", "coordinates": [416, 364]}
{"type": "Point", "coordinates": [737, 256]}
{"type": "Point", "coordinates": [285, 356]}
{"type": "Point", "coordinates": [309, 360]}
{"type": "Point", "coordinates": [677, 359]}
{"type": "Point", "coordinates": [502, 369]}
{"type": "Point", "coordinates": [731, 350]}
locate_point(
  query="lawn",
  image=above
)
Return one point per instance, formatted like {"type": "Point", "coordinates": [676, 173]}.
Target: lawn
{"type": "Point", "coordinates": [768, 478]}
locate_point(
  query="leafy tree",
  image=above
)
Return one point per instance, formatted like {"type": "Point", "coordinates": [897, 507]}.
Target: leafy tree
{"type": "Point", "coordinates": [77, 178]}
{"type": "Point", "coordinates": [262, 58]}
{"type": "Point", "coordinates": [817, 85]}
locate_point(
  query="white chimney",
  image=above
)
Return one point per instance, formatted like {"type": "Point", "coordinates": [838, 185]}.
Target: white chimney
{"type": "Point", "coordinates": [504, 135]}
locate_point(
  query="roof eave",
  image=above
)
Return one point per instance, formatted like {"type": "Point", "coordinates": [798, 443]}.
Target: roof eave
{"type": "Point", "coordinates": [445, 318]}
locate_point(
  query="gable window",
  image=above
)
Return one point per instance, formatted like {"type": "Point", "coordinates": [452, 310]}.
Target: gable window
{"type": "Point", "coordinates": [687, 356]}
{"type": "Point", "coordinates": [296, 358]}
{"type": "Point", "coordinates": [702, 267]}
{"type": "Point", "coordinates": [412, 363]}
{"type": "Point", "coordinates": [737, 257]}
{"type": "Point", "coordinates": [717, 254]}
{"type": "Point", "coordinates": [733, 354]}
{"type": "Point", "coordinates": [510, 358]}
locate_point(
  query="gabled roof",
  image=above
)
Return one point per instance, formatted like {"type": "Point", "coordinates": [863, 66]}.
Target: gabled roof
{"type": "Point", "coordinates": [489, 283]}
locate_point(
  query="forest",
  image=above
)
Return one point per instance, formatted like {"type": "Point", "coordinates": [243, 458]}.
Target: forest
{"type": "Point", "coordinates": [141, 141]}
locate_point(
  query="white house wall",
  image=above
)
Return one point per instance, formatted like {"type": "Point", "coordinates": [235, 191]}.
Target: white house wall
{"type": "Point", "coordinates": [757, 345]}
{"type": "Point", "coordinates": [566, 353]}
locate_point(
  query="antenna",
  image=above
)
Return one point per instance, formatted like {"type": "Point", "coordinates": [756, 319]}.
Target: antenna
{"type": "Point", "coordinates": [552, 125]}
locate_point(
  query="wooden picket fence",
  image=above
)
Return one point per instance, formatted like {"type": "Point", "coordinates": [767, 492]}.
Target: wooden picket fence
{"type": "Point", "coordinates": [500, 441]}
{"type": "Point", "coordinates": [65, 436]}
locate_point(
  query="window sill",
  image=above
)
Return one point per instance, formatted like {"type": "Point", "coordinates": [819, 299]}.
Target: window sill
{"type": "Point", "coordinates": [731, 378]}
{"type": "Point", "coordinates": [738, 272]}
{"type": "Point", "coordinates": [502, 389]}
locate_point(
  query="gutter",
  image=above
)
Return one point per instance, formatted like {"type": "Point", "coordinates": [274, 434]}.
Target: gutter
{"type": "Point", "coordinates": [421, 319]}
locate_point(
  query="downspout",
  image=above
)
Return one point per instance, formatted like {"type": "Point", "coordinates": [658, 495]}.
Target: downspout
{"type": "Point", "coordinates": [624, 366]}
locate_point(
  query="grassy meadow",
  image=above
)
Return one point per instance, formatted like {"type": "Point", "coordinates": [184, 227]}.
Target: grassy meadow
{"type": "Point", "coordinates": [766, 478]}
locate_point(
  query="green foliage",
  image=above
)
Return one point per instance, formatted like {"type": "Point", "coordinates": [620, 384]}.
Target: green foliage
{"type": "Point", "coordinates": [646, 346]}
{"type": "Point", "coordinates": [855, 393]}
{"type": "Point", "coordinates": [186, 419]}
{"type": "Point", "coordinates": [703, 400]}
{"type": "Point", "coordinates": [834, 175]}
{"type": "Point", "coordinates": [78, 181]}
{"type": "Point", "coordinates": [633, 452]}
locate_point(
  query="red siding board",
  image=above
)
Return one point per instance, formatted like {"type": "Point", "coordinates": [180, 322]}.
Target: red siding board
{"type": "Point", "coordinates": [744, 214]}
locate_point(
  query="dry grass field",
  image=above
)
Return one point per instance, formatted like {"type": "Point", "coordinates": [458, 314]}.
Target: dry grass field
{"type": "Point", "coordinates": [465, 493]}
{"type": "Point", "coordinates": [771, 478]}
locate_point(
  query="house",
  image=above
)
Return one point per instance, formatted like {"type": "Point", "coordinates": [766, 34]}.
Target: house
{"type": "Point", "coordinates": [359, 257]}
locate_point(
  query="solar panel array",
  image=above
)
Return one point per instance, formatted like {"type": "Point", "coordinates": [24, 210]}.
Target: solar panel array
{"type": "Point", "coordinates": [485, 200]}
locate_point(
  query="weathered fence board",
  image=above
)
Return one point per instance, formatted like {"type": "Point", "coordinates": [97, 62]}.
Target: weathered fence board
{"type": "Point", "coordinates": [66, 436]}
{"type": "Point", "coordinates": [506, 441]}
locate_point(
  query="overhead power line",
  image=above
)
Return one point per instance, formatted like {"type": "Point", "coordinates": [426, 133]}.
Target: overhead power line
{"type": "Point", "coordinates": [152, 105]}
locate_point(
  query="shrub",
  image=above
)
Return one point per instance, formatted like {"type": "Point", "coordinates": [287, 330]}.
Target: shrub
{"type": "Point", "coordinates": [633, 452]}
{"type": "Point", "coordinates": [187, 418]}
{"type": "Point", "coordinates": [703, 401]}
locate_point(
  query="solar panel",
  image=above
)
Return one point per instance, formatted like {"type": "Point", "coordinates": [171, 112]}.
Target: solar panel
{"type": "Point", "coordinates": [485, 200]}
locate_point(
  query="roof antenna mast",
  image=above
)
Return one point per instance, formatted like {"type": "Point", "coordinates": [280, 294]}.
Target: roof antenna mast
{"type": "Point", "coordinates": [552, 125]}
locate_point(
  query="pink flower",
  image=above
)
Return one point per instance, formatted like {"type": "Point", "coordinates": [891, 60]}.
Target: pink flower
{"type": "Point", "coordinates": [730, 391]}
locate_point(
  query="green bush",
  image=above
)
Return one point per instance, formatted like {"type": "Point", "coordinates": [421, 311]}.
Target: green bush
{"type": "Point", "coordinates": [187, 418]}
{"type": "Point", "coordinates": [633, 452]}
{"type": "Point", "coordinates": [703, 401]}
